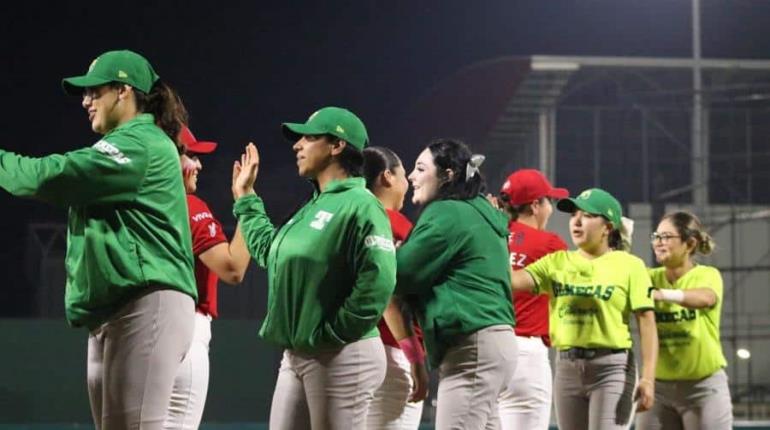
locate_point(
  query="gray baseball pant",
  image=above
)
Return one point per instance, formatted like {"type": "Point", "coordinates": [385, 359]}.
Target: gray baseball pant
{"type": "Point", "coordinates": [690, 405]}
{"type": "Point", "coordinates": [328, 390]}
{"type": "Point", "coordinates": [133, 359]}
{"type": "Point", "coordinates": [472, 375]}
{"type": "Point", "coordinates": [596, 393]}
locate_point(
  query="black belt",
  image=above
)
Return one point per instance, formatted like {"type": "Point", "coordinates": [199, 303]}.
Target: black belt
{"type": "Point", "coordinates": [588, 353]}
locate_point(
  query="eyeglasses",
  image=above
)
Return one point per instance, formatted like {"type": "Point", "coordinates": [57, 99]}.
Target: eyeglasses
{"type": "Point", "coordinates": [665, 237]}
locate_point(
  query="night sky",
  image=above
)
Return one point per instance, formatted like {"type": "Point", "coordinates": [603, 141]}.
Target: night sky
{"type": "Point", "coordinates": [242, 68]}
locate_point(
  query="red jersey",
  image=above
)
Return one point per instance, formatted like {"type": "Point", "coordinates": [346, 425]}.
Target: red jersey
{"type": "Point", "coordinates": [401, 227]}
{"type": "Point", "coordinates": [206, 232]}
{"type": "Point", "coordinates": [527, 245]}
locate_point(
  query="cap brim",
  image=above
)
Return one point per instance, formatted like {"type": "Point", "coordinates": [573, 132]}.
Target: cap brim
{"type": "Point", "coordinates": [201, 147]}
{"type": "Point", "coordinates": [570, 205]}
{"type": "Point", "coordinates": [74, 86]}
{"type": "Point", "coordinates": [294, 131]}
{"type": "Point", "coordinates": [558, 193]}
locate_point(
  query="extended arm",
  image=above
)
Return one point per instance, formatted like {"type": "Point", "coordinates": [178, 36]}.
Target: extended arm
{"type": "Point", "coordinates": [228, 260]}
{"type": "Point", "coordinates": [694, 298]}
{"type": "Point", "coordinates": [254, 225]}
{"type": "Point", "coordinates": [648, 333]}
{"type": "Point", "coordinates": [104, 173]}
{"type": "Point", "coordinates": [521, 280]}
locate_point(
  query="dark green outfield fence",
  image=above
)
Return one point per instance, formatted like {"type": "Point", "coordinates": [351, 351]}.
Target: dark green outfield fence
{"type": "Point", "coordinates": [43, 371]}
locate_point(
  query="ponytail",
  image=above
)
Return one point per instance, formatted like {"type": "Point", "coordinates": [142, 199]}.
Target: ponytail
{"type": "Point", "coordinates": [705, 244]}
{"type": "Point", "coordinates": [377, 160]}
{"type": "Point", "coordinates": [166, 106]}
{"type": "Point", "coordinates": [617, 242]}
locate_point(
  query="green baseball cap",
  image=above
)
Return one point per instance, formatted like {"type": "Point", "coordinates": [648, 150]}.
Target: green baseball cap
{"type": "Point", "coordinates": [594, 201]}
{"type": "Point", "coordinates": [124, 66]}
{"type": "Point", "coordinates": [338, 122]}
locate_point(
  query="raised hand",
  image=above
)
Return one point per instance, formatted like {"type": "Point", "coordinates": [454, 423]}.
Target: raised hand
{"type": "Point", "coordinates": [245, 172]}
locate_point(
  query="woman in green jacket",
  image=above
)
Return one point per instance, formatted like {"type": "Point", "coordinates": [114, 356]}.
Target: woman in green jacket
{"type": "Point", "coordinates": [455, 264]}
{"type": "Point", "coordinates": [129, 254]}
{"type": "Point", "coordinates": [331, 272]}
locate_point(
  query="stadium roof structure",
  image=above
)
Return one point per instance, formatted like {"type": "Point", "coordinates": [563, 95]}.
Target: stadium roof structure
{"type": "Point", "coordinates": [506, 107]}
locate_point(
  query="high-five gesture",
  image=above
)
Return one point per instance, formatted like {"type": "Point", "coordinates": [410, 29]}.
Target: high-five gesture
{"type": "Point", "coordinates": [245, 172]}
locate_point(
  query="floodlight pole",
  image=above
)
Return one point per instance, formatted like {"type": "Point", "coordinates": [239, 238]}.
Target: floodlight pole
{"type": "Point", "coordinates": [699, 146]}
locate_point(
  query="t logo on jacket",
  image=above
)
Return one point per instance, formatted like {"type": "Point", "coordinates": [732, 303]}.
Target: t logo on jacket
{"type": "Point", "coordinates": [321, 219]}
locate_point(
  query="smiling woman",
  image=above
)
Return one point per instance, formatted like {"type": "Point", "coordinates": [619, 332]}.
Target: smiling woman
{"type": "Point", "coordinates": [215, 259]}
{"type": "Point", "coordinates": [693, 391]}
{"type": "Point", "coordinates": [455, 264]}
{"type": "Point", "coordinates": [129, 255]}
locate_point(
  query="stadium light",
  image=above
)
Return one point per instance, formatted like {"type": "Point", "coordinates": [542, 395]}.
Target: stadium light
{"type": "Point", "coordinates": [743, 353]}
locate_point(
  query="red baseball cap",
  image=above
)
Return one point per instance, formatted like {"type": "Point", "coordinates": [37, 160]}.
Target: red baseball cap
{"type": "Point", "coordinates": [528, 185]}
{"type": "Point", "coordinates": [193, 145]}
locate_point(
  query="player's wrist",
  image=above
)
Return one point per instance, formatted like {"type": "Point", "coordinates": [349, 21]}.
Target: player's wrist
{"type": "Point", "coordinates": [671, 295]}
{"type": "Point", "coordinates": [412, 349]}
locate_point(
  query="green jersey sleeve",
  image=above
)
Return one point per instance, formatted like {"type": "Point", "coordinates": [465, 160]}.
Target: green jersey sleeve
{"type": "Point", "coordinates": [540, 271]}
{"type": "Point", "coordinates": [374, 264]}
{"type": "Point", "coordinates": [107, 172]}
{"type": "Point", "coordinates": [257, 229]}
{"type": "Point", "coordinates": [639, 286]}
{"type": "Point", "coordinates": [423, 257]}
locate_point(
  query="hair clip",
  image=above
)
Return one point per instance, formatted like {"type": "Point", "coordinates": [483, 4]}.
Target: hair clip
{"type": "Point", "coordinates": [472, 168]}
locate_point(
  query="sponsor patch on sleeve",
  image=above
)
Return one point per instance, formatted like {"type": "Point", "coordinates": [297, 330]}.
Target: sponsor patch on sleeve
{"type": "Point", "coordinates": [380, 242]}
{"type": "Point", "coordinates": [111, 151]}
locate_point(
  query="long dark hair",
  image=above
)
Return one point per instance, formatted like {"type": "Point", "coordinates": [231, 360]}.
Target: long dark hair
{"type": "Point", "coordinates": [378, 159]}
{"type": "Point", "coordinates": [454, 155]}
{"type": "Point", "coordinates": [166, 106]}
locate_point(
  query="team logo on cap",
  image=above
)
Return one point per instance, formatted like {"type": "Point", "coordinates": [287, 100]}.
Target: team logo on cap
{"type": "Point", "coordinates": [93, 64]}
{"type": "Point", "coordinates": [340, 129]}
{"type": "Point", "coordinates": [585, 195]}
{"type": "Point", "coordinates": [122, 74]}
{"type": "Point", "coordinates": [506, 185]}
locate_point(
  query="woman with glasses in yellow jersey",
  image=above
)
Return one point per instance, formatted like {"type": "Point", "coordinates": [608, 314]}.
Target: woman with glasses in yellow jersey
{"type": "Point", "coordinates": [692, 391]}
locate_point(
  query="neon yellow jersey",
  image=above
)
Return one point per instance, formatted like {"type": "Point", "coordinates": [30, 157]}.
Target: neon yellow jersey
{"type": "Point", "coordinates": [689, 338]}
{"type": "Point", "coordinates": [591, 299]}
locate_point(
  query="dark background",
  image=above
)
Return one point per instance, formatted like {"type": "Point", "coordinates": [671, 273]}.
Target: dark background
{"type": "Point", "coordinates": [242, 68]}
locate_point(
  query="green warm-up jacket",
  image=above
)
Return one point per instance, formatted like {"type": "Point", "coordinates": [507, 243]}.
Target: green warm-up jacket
{"type": "Point", "coordinates": [127, 226]}
{"type": "Point", "coordinates": [331, 268]}
{"type": "Point", "coordinates": [455, 262]}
